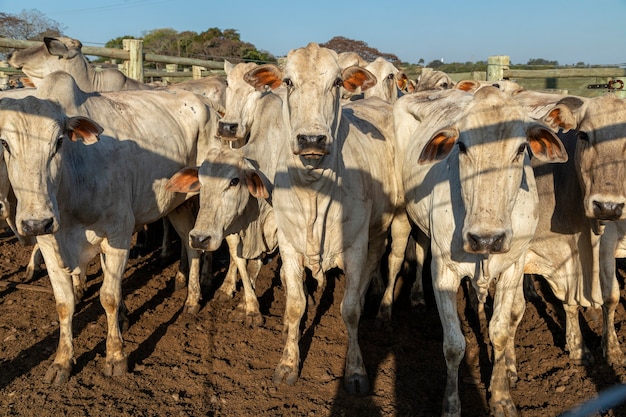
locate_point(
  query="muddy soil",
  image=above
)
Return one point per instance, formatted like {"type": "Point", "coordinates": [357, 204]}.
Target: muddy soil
{"type": "Point", "coordinates": [212, 365]}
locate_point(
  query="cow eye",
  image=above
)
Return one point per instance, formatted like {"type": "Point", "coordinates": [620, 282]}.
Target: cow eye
{"type": "Point", "coordinates": [583, 136]}
{"type": "Point", "coordinates": [338, 83]}
{"type": "Point", "coordinates": [234, 182]}
{"type": "Point", "coordinates": [58, 144]}
{"type": "Point", "coordinates": [462, 147]}
{"type": "Point", "coordinates": [520, 152]}
{"type": "Point", "coordinates": [5, 145]}
{"type": "Point", "coordinates": [390, 77]}
{"type": "Point", "coordinates": [444, 86]}
{"type": "Point", "coordinates": [288, 83]}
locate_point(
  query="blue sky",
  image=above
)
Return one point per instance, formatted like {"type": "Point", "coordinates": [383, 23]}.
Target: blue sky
{"type": "Point", "coordinates": [568, 31]}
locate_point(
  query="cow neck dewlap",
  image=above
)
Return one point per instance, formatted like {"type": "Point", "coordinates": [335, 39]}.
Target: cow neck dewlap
{"type": "Point", "coordinates": [316, 192]}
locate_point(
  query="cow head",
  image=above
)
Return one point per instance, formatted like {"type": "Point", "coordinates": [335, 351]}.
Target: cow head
{"type": "Point", "coordinates": [33, 133]}
{"type": "Point", "coordinates": [225, 181]}
{"type": "Point", "coordinates": [490, 143]}
{"type": "Point", "coordinates": [600, 125]}
{"type": "Point", "coordinates": [55, 54]}
{"type": "Point", "coordinates": [314, 82]}
{"type": "Point", "coordinates": [240, 102]}
{"type": "Point", "coordinates": [391, 81]}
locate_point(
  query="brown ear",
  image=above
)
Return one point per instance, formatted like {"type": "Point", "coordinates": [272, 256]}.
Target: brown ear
{"type": "Point", "coordinates": [355, 77]}
{"type": "Point", "coordinates": [439, 145]}
{"type": "Point", "coordinates": [468, 85]}
{"type": "Point", "coordinates": [255, 185]}
{"type": "Point", "coordinates": [560, 116]}
{"type": "Point", "coordinates": [402, 81]}
{"type": "Point", "coordinates": [545, 144]}
{"type": "Point", "coordinates": [184, 181]}
{"type": "Point", "coordinates": [266, 75]}
{"type": "Point", "coordinates": [80, 127]}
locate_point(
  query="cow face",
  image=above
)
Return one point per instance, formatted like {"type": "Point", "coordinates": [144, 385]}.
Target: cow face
{"type": "Point", "coordinates": [491, 142]}
{"type": "Point", "coordinates": [225, 181]}
{"type": "Point", "coordinates": [240, 103]}
{"type": "Point", "coordinates": [32, 132]}
{"type": "Point", "coordinates": [314, 81]}
{"type": "Point", "coordinates": [600, 124]}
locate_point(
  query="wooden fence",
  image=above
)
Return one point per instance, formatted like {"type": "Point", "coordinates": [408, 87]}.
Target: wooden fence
{"type": "Point", "coordinates": [567, 80]}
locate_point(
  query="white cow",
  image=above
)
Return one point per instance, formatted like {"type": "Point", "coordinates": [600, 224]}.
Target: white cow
{"type": "Point", "coordinates": [455, 146]}
{"type": "Point", "coordinates": [600, 152]}
{"type": "Point", "coordinates": [65, 54]}
{"type": "Point", "coordinates": [433, 80]}
{"type": "Point", "coordinates": [81, 200]}
{"type": "Point", "coordinates": [233, 206]}
{"type": "Point", "coordinates": [334, 191]}
{"type": "Point", "coordinates": [390, 80]}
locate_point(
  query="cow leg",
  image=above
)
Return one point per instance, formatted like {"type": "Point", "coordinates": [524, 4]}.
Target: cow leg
{"type": "Point", "coordinates": [400, 231]}
{"type": "Point", "coordinates": [114, 262]}
{"type": "Point", "coordinates": [509, 286]}
{"type": "Point", "coordinates": [574, 342]}
{"type": "Point", "coordinates": [445, 287]}
{"type": "Point", "coordinates": [292, 273]}
{"type": "Point", "coordinates": [183, 219]}
{"type": "Point", "coordinates": [250, 304]}
{"type": "Point", "coordinates": [422, 243]}
{"type": "Point", "coordinates": [61, 281]}
{"type": "Point", "coordinates": [358, 278]}
{"type": "Point", "coordinates": [226, 291]}
{"type": "Point", "coordinates": [610, 295]}
{"type": "Point", "coordinates": [34, 263]}
{"type": "Point", "coordinates": [517, 313]}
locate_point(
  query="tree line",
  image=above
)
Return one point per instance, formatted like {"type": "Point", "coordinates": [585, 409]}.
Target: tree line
{"type": "Point", "coordinates": [226, 44]}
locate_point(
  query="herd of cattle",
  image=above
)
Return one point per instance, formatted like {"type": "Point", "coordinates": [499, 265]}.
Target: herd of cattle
{"type": "Point", "coordinates": [333, 162]}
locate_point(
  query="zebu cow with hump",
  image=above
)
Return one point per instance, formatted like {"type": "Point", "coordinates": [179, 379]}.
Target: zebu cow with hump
{"type": "Point", "coordinates": [599, 125]}
{"type": "Point", "coordinates": [84, 187]}
{"type": "Point", "coordinates": [453, 147]}
{"type": "Point", "coordinates": [334, 191]}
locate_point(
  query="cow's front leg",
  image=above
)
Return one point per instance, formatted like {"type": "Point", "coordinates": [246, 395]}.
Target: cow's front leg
{"type": "Point", "coordinates": [113, 264]}
{"type": "Point", "coordinates": [248, 311]}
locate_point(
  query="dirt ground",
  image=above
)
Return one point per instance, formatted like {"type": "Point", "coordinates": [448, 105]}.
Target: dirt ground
{"type": "Point", "coordinates": [210, 365]}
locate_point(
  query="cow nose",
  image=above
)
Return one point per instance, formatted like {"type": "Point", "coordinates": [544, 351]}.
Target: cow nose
{"type": "Point", "coordinates": [198, 240]}
{"type": "Point", "coordinates": [37, 227]}
{"type": "Point", "coordinates": [305, 141]}
{"type": "Point", "coordinates": [487, 243]}
{"type": "Point", "coordinates": [607, 211]}
{"type": "Point", "coordinates": [227, 129]}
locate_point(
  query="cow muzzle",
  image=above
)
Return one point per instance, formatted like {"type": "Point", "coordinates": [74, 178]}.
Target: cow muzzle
{"type": "Point", "coordinates": [486, 244]}
{"type": "Point", "coordinates": [203, 241]}
{"type": "Point", "coordinates": [603, 210]}
{"type": "Point", "coordinates": [227, 130]}
{"type": "Point", "coordinates": [36, 227]}
{"type": "Point", "coordinates": [311, 146]}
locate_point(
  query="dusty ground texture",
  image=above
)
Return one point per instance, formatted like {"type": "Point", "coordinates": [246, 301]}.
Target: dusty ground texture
{"type": "Point", "coordinates": [210, 365]}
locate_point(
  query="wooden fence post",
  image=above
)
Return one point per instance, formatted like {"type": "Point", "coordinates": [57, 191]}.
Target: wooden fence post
{"type": "Point", "coordinates": [496, 66]}
{"type": "Point", "coordinates": [134, 66]}
{"type": "Point", "coordinates": [196, 72]}
{"type": "Point", "coordinates": [169, 68]}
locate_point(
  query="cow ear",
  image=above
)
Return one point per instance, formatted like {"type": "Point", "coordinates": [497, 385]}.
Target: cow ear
{"type": "Point", "coordinates": [545, 145]}
{"type": "Point", "coordinates": [228, 66]}
{"type": "Point", "coordinates": [266, 75]}
{"type": "Point", "coordinates": [184, 181]}
{"type": "Point", "coordinates": [560, 117]}
{"type": "Point", "coordinates": [439, 145]}
{"type": "Point", "coordinates": [468, 85]}
{"type": "Point", "coordinates": [402, 81]}
{"type": "Point", "coordinates": [355, 76]}
{"type": "Point", "coordinates": [56, 47]}
{"type": "Point", "coordinates": [79, 127]}
{"type": "Point", "coordinates": [256, 186]}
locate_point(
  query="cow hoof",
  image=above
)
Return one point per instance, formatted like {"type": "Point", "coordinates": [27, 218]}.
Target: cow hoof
{"type": "Point", "coordinates": [583, 357]}
{"type": "Point", "coordinates": [180, 282]}
{"type": "Point", "coordinates": [357, 384]}
{"type": "Point", "coordinates": [286, 374]}
{"type": "Point", "coordinates": [254, 319]}
{"type": "Point", "coordinates": [57, 374]}
{"type": "Point", "coordinates": [192, 310]}
{"type": "Point", "coordinates": [383, 318]}
{"type": "Point", "coordinates": [503, 408]}
{"type": "Point", "coordinates": [513, 378]}
{"type": "Point", "coordinates": [116, 367]}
